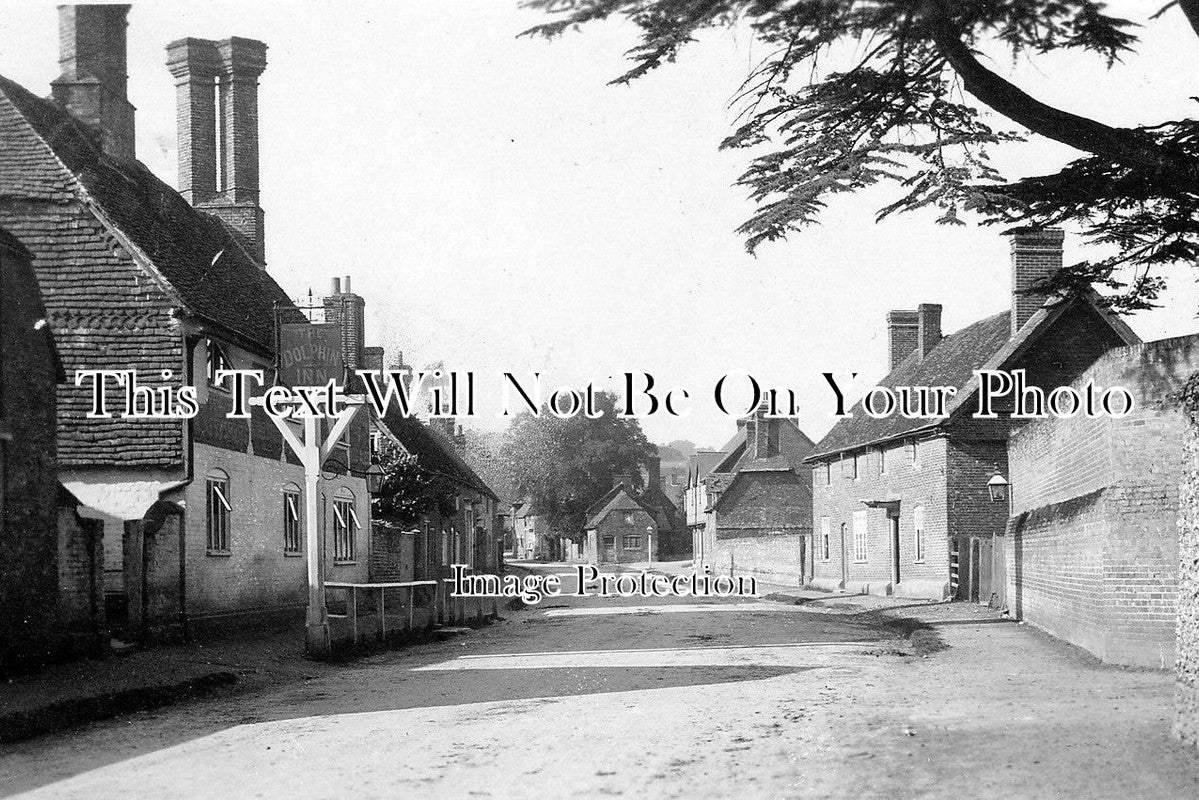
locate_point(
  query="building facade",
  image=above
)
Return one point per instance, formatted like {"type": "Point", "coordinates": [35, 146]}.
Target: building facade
{"type": "Point", "coordinates": [171, 284]}
{"type": "Point", "coordinates": [619, 530]}
{"type": "Point", "coordinates": [901, 504]}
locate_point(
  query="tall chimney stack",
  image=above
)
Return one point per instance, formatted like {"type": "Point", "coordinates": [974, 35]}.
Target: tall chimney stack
{"type": "Point", "coordinates": [928, 327]}
{"type": "Point", "coordinates": [903, 336]}
{"type": "Point", "coordinates": [348, 310]}
{"type": "Point", "coordinates": [94, 82]}
{"type": "Point", "coordinates": [1036, 255]}
{"type": "Point", "coordinates": [216, 94]}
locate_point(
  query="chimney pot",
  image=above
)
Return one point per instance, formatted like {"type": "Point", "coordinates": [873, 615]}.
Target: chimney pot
{"type": "Point", "coordinates": [1036, 255]}
{"type": "Point", "coordinates": [346, 284]}
{"type": "Point", "coordinates": [335, 287]}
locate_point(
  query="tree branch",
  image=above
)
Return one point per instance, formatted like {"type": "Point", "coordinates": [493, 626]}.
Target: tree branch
{"type": "Point", "coordinates": [1118, 144]}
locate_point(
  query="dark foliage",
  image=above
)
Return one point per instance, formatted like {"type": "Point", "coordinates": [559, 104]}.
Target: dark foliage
{"type": "Point", "coordinates": [857, 93]}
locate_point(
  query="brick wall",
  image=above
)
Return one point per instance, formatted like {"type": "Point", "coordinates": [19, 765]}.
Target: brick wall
{"type": "Point", "coordinates": [81, 579]}
{"type": "Point", "coordinates": [1092, 554]}
{"type": "Point", "coordinates": [392, 554]}
{"type": "Point", "coordinates": [765, 520]}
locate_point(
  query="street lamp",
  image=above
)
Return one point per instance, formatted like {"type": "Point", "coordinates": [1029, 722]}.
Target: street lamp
{"type": "Point", "coordinates": [998, 487]}
{"type": "Point", "coordinates": [374, 477]}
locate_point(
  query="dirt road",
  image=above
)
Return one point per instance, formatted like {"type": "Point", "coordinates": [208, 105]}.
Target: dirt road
{"type": "Point", "coordinates": [583, 698]}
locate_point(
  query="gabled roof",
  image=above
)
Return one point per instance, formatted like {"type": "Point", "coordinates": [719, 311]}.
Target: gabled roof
{"type": "Point", "coordinates": [433, 451]}
{"type": "Point", "coordinates": [617, 499]}
{"type": "Point", "coordinates": [48, 155]}
{"type": "Point", "coordinates": [987, 344]}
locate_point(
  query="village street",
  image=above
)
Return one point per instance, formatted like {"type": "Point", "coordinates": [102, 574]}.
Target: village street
{"type": "Point", "coordinates": [582, 697]}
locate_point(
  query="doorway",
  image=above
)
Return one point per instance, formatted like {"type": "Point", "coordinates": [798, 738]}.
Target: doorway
{"type": "Point", "coordinates": [893, 526]}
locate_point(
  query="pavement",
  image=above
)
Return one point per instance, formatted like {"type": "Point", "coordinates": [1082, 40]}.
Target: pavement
{"type": "Point", "coordinates": [829, 696]}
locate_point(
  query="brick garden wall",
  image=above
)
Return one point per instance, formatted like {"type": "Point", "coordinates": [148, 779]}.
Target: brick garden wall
{"type": "Point", "coordinates": [763, 525]}
{"type": "Point", "coordinates": [392, 554]}
{"type": "Point", "coordinates": [1092, 549]}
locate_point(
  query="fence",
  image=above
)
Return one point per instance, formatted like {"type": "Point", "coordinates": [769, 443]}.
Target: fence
{"type": "Point", "coordinates": [362, 612]}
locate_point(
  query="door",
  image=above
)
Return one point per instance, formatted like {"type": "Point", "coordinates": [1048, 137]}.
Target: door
{"type": "Point", "coordinates": [607, 549]}
{"type": "Point", "coordinates": [893, 523]}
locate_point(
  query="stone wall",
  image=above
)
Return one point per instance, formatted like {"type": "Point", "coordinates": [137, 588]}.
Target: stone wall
{"type": "Point", "coordinates": [1186, 720]}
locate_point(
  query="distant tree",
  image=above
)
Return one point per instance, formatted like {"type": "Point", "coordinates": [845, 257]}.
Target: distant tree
{"type": "Point", "coordinates": [565, 465]}
{"type": "Point", "coordinates": [409, 491]}
{"type": "Point", "coordinates": [861, 92]}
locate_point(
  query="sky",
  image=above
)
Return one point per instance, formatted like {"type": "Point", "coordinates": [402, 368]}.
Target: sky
{"type": "Point", "coordinates": [503, 209]}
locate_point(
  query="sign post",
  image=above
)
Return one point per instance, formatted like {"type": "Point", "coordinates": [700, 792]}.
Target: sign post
{"type": "Point", "coordinates": [310, 355]}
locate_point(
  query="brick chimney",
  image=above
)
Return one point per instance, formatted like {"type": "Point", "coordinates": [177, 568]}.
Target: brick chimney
{"type": "Point", "coordinates": [928, 327]}
{"type": "Point", "coordinates": [903, 336]}
{"type": "Point", "coordinates": [348, 310]}
{"type": "Point", "coordinates": [762, 433]}
{"type": "Point", "coordinates": [94, 82]}
{"type": "Point", "coordinates": [1036, 254]}
{"type": "Point", "coordinates": [653, 473]}
{"type": "Point", "coordinates": [216, 96]}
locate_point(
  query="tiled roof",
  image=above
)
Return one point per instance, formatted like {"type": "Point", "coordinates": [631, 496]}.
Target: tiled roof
{"type": "Point", "coordinates": [433, 451]}
{"type": "Point", "coordinates": [618, 499]}
{"type": "Point", "coordinates": [987, 344]}
{"type": "Point", "coordinates": [198, 258]}
{"type": "Point", "coordinates": [951, 363]}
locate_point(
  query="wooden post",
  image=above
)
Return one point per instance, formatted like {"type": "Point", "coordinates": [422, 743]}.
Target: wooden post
{"type": "Point", "coordinates": [383, 612]}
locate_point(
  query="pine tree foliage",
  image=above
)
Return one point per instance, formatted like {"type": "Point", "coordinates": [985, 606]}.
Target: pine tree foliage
{"type": "Point", "coordinates": [858, 93]}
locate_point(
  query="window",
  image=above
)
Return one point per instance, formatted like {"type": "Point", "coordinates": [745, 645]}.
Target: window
{"type": "Point", "coordinates": [291, 519]}
{"type": "Point", "coordinates": [825, 549]}
{"type": "Point", "coordinates": [860, 552]}
{"type": "Point", "coordinates": [217, 360]}
{"type": "Point", "coordinates": [345, 523]}
{"type": "Point", "coordinates": [674, 479]}
{"type": "Point", "coordinates": [913, 452]}
{"type": "Point", "coordinates": [828, 473]}
{"type": "Point", "coordinates": [609, 541]}
{"type": "Point", "coordinates": [918, 528]}
{"type": "Point", "coordinates": [216, 490]}
{"type": "Point", "coordinates": [882, 460]}
{"type": "Point", "coordinates": [628, 519]}
{"type": "Point", "coordinates": [854, 467]}
{"type": "Point", "coordinates": [632, 542]}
